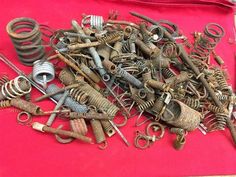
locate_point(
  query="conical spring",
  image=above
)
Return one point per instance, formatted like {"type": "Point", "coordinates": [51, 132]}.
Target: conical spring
{"type": "Point", "coordinates": [15, 88]}
{"type": "Point", "coordinates": [26, 37]}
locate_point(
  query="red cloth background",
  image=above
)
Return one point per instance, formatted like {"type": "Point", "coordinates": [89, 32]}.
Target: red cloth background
{"type": "Point", "coordinates": [25, 152]}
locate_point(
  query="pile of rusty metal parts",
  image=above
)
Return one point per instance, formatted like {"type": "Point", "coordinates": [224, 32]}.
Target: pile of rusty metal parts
{"type": "Point", "coordinates": [112, 69]}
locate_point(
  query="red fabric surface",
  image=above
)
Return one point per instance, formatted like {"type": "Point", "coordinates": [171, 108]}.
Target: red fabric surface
{"type": "Point", "coordinates": [25, 152]}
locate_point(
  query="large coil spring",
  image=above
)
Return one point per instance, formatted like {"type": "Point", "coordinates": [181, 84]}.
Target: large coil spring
{"type": "Point", "coordinates": [221, 79]}
{"type": "Point", "coordinates": [15, 88]}
{"type": "Point", "coordinates": [167, 73]}
{"type": "Point", "coordinates": [3, 79]}
{"type": "Point", "coordinates": [5, 103]}
{"type": "Point", "coordinates": [26, 37]}
{"type": "Point", "coordinates": [193, 103]}
{"type": "Point", "coordinates": [78, 95]}
{"type": "Point", "coordinates": [146, 105]}
{"type": "Point", "coordinates": [208, 40]}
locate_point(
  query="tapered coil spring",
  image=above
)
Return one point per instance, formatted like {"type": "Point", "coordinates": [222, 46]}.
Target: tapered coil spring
{"type": "Point", "coordinates": [167, 73]}
{"type": "Point", "coordinates": [3, 79]}
{"type": "Point", "coordinates": [15, 88]}
{"type": "Point", "coordinates": [26, 37]}
{"type": "Point", "coordinates": [78, 95]}
{"type": "Point", "coordinates": [5, 103]}
{"type": "Point", "coordinates": [146, 105]}
{"type": "Point", "coordinates": [193, 103]}
{"type": "Point", "coordinates": [221, 79]}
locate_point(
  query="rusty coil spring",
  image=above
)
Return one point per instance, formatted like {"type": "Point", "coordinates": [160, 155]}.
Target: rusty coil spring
{"type": "Point", "coordinates": [15, 88]}
{"type": "Point", "coordinates": [167, 73]}
{"type": "Point", "coordinates": [208, 40]}
{"type": "Point", "coordinates": [222, 97]}
{"type": "Point", "coordinates": [146, 105]}
{"type": "Point", "coordinates": [193, 103]}
{"type": "Point", "coordinates": [170, 50]}
{"type": "Point", "coordinates": [215, 109]}
{"type": "Point", "coordinates": [3, 79]}
{"type": "Point", "coordinates": [26, 37]}
{"type": "Point", "coordinates": [79, 126]}
{"type": "Point", "coordinates": [221, 79]}
{"type": "Point", "coordinates": [5, 103]}
{"type": "Point", "coordinates": [215, 122]}
{"type": "Point", "coordinates": [78, 95]}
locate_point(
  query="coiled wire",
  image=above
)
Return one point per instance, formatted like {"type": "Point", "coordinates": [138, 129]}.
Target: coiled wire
{"type": "Point", "coordinates": [193, 103]}
{"type": "Point", "coordinates": [78, 95]}
{"type": "Point", "coordinates": [146, 105]}
{"type": "Point", "coordinates": [3, 79]}
{"type": "Point", "coordinates": [94, 21]}
{"type": "Point", "coordinates": [221, 79]}
{"type": "Point", "coordinates": [5, 103]}
{"type": "Point", "coordinates": [26, 37]}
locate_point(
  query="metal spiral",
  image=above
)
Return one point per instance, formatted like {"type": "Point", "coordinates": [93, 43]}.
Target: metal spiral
{"type": "Point", "coordinates": [146, 105]}
{"type": "Point", "coordinates": [43, 72]}
{"type": "Point", "coordinates": [110, 38]}
{"type": "Point", "coordinates": [215, 122]}
{"type": "Point", "coordinates": [79, 126]}
{"type": "Point", "coordinates": [222, 97]}
{"type": "Point", "coordinates": [3, 79]}
{"type": "Point", "coordinates": [78, 95]}
{"type": "Point", "coordinates": [215, 109]}
{"type": "Point", "coordinates": [94, 21]}
{"type": "Point", "coordinates": [129, 78]}
{"type": "Point", "coordinates": [207, 41]}
{"type": "Point", "coordinates": [193, 103]}
{"type": "Point", "coordinates": [167, 73]}
{"type": "Point", "coordinates": [5, 103]}
{"type": "Point", "coordinates": [221, 79]}
{"type": "Point", "coordinates": [26, 37]}
{"type": "Point", "coordinates": [15, 88]}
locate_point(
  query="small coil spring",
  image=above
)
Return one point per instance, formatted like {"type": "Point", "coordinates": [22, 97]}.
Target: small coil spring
{"type": "Point", "coordinates": [79, 126]}
{"type": "Point", "coordinates": [43, 72]}
{"type": "Point", "coordinates": [15, 88]}
{"type": "Point", "coordinates": [78, 95]}
{"type": "Point", "coordinates": [215, 122]}
{"type": "Point", "coordinates": [26, 37]}
{"type": "Point", "coordinates": [109, 130]}
{"type": "Point", "coordinates": [170, 50]}
{"type": "Point", "coordinates": [129, 78]}
{"type": "Point", "coordinates": [126, 47]}
{"type": "Point", "coordinates": [215, 109]}
{"type": "Point", "coordinates": [222, 97]}
{"type": "Point", "coordinates": [193, 103]}
{"type": "Point", "coordinates": [146, 105]}
{"type": "Point", "coordinates": [221, 121]}
{"type": "Point", "coordinates": [3, 79]}
{"type": "Point", "coordinates": [221, 79]}
{"type": "Point", "coordinates": [110, 38]}
{"type": "Point", "coordinates": [5, 103]}
{"type": "Point", "coordinates": [98, 131]}
{"type": "Point", "coordinates": [94, 21]}
{"type": "Point", "coordinates": [167, 73]}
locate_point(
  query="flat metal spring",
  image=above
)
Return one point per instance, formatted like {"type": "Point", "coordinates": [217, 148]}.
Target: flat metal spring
{"type": "Point", "coordinates": [26, 37]}
{"type": "Point", "coordinates": [146, 105]}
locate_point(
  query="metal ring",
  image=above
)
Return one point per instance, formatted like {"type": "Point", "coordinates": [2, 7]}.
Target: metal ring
{"type": "Point", "coordinates": [207, 28]}
{"type": "Point", "coordinates": [155, 124]}
{"type": "Point", "coordinates": [141, 137]}
{"type": "Point", "coordinates": [24, 121]}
